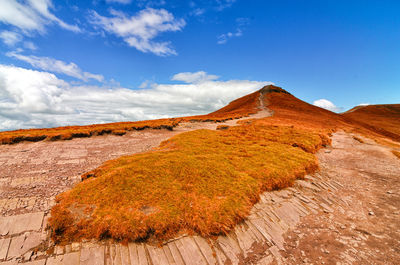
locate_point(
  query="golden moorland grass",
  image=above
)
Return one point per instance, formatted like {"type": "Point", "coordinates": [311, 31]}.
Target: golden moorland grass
{"type": "Point", "coordinates": [396, 153]}
{"type": "Point", "coordinates": [202, 181]}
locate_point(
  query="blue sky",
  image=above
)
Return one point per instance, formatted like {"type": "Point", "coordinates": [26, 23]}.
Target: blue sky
{"type": "Point", "coordinates": [81, 62]}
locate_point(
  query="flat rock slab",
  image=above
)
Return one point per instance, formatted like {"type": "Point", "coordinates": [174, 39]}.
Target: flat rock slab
{"type": "Point", "coordinates": [11, 225]}
{"type": "Point", "coordinates": [67, 259]}
{"type": "Point", "coordinates": [92, 256]}
{"type": "Point", "coordinates": [4, 244]}
{"type": "Point", "coordinates": [23, 243]}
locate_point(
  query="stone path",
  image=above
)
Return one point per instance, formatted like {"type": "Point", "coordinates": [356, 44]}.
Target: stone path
{"type": "Point", "coordinates": [347, 213]}
{"type": "Point", "coordinates": [362, 225]}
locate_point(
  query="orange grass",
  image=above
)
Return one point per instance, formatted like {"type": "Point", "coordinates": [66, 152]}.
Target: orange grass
{"type": "Point", "coordinates": [202, 181]}
{"type": "Point", "coordinates": [381, 119]}
{"type": "Point", "coordinates": [396, 153]}
{"type": "Point", "coordinates": [239, 108]}
{"type": "Point", "coordinates": [380, 123]}
{"type": "Point", "coordinates": [289, 110]}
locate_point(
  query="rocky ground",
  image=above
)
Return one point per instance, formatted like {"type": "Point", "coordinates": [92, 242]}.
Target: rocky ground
{"type": "Point", "coordinates": [363, 226]}
{"type": "Point", "coordinates": [348, 213]}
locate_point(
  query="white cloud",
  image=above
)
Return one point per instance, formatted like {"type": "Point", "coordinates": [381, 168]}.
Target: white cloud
{"type": "Point", "coordinates": [326, 104]}
{"type": "Point", "coordinates": [140, 30]}
{"type": "Point", "coordinates": [364, 104]}
{"type": "Point", "coordinates": [31, 98]}
{"type": "Point", "coordinates": [223, 38]}
{"type": "Point", "coordinates": [240, 25]}
{"type": "Point", "coordinates": [31, 15]}
{"type": "Point", "coordinates": [197, 77]}
{"type": "Point", "coordinates": [56, 66]}
{"type": "Point", "coordinates": [10, 38]}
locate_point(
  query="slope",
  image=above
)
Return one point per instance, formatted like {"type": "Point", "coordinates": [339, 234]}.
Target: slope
{"type": "Point", "coordinates": [381, 119]}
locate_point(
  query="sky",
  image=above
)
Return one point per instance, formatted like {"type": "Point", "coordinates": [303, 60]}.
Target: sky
{"type": "Point", "coordinates": [82, 62]}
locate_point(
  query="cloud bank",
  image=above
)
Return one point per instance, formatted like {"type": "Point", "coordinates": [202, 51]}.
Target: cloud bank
{"type": "Point", "coordinates": [34, 99]}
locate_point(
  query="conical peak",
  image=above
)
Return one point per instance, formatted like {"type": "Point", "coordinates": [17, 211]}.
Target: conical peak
{"type": "Point", "coordinates": [271, 88]}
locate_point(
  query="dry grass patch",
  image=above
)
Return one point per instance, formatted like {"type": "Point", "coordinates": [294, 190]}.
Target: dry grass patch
{"type": "Point", "coordinates": [396, 153]}
{"type": "Point", "coordinates": [198, 182]}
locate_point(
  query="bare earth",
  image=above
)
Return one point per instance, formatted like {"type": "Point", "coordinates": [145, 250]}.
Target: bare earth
{"type": "Point", "coordinates": [348, 213]}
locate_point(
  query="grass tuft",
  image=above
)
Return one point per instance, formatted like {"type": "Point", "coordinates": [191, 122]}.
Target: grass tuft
{"type": "Point", "coordinates": [358, 139]}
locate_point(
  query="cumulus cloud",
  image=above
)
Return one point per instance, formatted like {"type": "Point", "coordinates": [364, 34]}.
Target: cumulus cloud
{"type": "Point", "coordinates": [56, 66]}
{"type": "Point", "coordinates": [31, 98]}
{"type": "Point", "coordinates": [140, 30]}
{"type": "Point", "coordinates": [31, 15]}
{"type": "Point", "coordinates": [326, 104]}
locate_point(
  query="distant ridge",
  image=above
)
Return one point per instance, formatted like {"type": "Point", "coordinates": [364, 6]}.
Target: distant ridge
{"type": "Point", "coordinates": [383, 118]}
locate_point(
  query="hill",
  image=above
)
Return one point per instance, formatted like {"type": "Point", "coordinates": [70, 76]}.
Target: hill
{"type": "Point", "coordinates": [381, 119]}
{"type": "Point", "coordinates": [202, 181]}
{"type": "Point", "coordinates": [289, 110]}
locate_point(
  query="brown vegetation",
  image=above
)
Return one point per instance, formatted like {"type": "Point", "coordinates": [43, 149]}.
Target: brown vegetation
{"type": "Point", "coordinates": [380, 119]}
